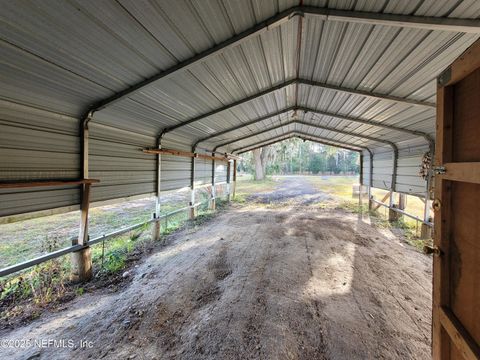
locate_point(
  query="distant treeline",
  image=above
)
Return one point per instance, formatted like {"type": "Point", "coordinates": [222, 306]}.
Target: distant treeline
{"type": "Point", "coordinates": [295, 156]}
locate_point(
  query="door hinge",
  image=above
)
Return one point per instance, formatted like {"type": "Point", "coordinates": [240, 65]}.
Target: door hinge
{"type": "Point", "coordinates": [439, 170]}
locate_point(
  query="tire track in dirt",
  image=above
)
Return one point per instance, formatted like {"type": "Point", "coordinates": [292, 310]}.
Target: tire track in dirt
{"type": "Point", "coordinates": [257, 309]}
{"type": "Point", "coordinates": [385, 290]}
{"type": "Point", "coordinates": [208, 340]}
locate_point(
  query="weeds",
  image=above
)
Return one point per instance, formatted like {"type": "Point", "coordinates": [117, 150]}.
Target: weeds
{"type": "Point", "coordinates": [24, 295]}
{"type": "Point", "coordinates": [353, 207]}
{"type": "Point", "coordinates": [409, 229]}
{"type": "Point", "coordinates": [239, 199]}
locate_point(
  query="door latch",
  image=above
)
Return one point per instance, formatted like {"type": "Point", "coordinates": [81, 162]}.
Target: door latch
{"type": "Point", "coordinates": [434, 250]}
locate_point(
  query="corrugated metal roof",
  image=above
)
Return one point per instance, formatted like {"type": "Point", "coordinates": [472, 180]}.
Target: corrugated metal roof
{"type": "Point", "coordinates": [50, 70]}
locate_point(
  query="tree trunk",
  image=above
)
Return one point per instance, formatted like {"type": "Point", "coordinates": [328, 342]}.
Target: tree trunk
{"type": "Point", "coordinates": [260, 156]}
{"type": "Point", "coordinates": [259, 173]}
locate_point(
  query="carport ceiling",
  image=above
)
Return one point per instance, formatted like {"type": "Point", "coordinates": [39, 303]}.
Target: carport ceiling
{"type": "Point", "coordinates": [197, 71]}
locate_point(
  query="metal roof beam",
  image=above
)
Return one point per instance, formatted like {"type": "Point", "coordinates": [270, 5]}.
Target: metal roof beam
{"type": "Point", "coordinates": [226, 107]}
{"type": "Point", "coordinates": [308, 137]}
{"type": "Point", "coordinates": [248, 123]}
{"type": "Point", "coordinates": [398, 20]}
{"type": "Point", "coordinates": [391, 144]}
{"type": "Point", "coordinates": [368, 94]}
{"type": "Point", "coordinates": [303, 136]}
{"type": "Point", "coordinates": [427, 137]}
{"type": "Point", "coordinates": [290, 82]}
{"type": "Point", "coordinates": [260, 144]}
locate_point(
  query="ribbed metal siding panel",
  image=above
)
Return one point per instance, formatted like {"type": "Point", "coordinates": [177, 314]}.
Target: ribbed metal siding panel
{"type": "Point", "coordinates": [37, 145]}
{"type": "Point", "coordinates": [29, 80]}
{"type": "Point", "coordinates": [366, 168]}
{"type": "Point", "coordinates": [220, 172]}
{"type": "Point", "coordinates": [175, 169]}
{"type": "Point", "coordinates": [175, 172]}
{"type": "Point", "coordinates": [203, 171]}
{"type": "Point", "coordinates": [246, 69]}
{"type": "Point", "coordinates": [382, 170]}
{"type": "Point", "coordinates": [409, 162]}
{"type": "Point", "coordinates": [117, 160]}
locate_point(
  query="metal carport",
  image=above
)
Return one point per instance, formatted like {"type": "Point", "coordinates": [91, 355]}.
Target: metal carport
{"type": "Point", "coordinates": [87, 85]}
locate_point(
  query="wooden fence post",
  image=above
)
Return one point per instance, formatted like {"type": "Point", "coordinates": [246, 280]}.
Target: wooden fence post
{"type": "Point", "coordinates": [82, 259]}
{"type": "Point", "coordinates": [193, 209]}
{"type": "Point", "coordinates": [234, 178]}
{"type": "Point", "coordinates": [228, 180]}
{"type": "Point", "coordinates": [156, 227]}
{"type": "Point", "coordinates": [213, 200]}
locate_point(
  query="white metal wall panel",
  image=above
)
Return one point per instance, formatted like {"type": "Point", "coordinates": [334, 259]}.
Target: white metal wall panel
{"type": "Point", "coordinates": [117, 160]}
{"type": "Point", "coordinates": [366, 168]}
{"type": "Point", "coordinates": [382, 170]}
{"type": "Point", "coordinates": [175, 172]}
{"type": "Point", "coordinates": [409, 163]}
{"type": "Point", "coordinates": [37, 145]}
{"type": "Point", "coordinates": [175, 169]}
{"type": "Point", "coordinates": [203, 171]}
{"type": "Point", "coordinates": [220, 172]}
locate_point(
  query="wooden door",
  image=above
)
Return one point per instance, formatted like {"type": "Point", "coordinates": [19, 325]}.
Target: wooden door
{"type": "Point", "coordinates": [456, 265]}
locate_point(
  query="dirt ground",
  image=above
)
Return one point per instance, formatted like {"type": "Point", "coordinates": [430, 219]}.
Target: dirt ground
{"type": "Point", "coordinates": [259, 281]}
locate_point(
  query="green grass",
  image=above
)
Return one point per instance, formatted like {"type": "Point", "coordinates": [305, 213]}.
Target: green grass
{"type": "Point", "coordinates": [338, 186]}
{"type": "Point", "coordinates": [28, 291]}
{"type": "Point", "coordinates": [414, 206]}
{"type": "Point", "coordinates": [353, 207]}
{"type": "Point", "coordinates": [24, 240]}
{"type": "Point", "coordinates": [250, 187]}
{"type": "Point", "coordinates": [341, 188]}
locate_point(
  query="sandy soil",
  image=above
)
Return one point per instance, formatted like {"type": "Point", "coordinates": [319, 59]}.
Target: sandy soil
{"type": "Point", "coordinates": [257, 282]}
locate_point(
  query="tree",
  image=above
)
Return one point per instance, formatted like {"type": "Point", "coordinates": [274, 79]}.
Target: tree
{"type": "Point", "coordinates": [316, 163]}
{"type": "Point", "coordinates": [261, 156]}
{"type": "Point", "coordinates": [332, 164]}
{"type": "Point", "coordinates": [292, 156]}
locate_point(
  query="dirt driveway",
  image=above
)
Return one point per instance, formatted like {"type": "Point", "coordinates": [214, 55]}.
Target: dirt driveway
{"type": "Point", "coordinates": [257, 282]}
